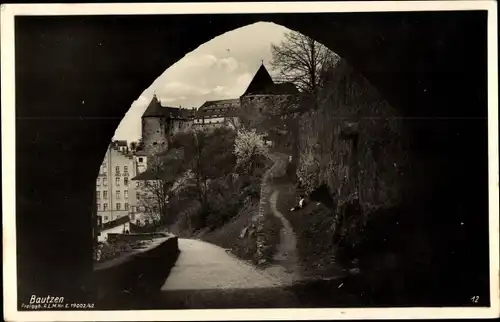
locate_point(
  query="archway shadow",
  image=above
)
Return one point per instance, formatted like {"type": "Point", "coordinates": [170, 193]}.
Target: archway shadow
{"type": "Point", "coordinates": [76, 77]}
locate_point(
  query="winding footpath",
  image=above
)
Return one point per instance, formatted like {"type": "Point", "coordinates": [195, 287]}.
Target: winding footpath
{"type": "Point", "coordinates": [207, 276]}
{"type": "Point", "coordinates": [286, 266]}
{"type": "Point", "coordinates": [202, 265]}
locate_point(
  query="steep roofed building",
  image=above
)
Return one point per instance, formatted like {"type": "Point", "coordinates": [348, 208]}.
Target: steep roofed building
{"type": "Point", "coordinates": [160, 123]}
{"type": "Point", "coordinates": [217, 113]}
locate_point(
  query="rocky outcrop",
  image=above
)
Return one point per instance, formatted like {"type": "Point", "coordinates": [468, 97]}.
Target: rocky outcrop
{"type": "Point", "coordinates": [354, 142]}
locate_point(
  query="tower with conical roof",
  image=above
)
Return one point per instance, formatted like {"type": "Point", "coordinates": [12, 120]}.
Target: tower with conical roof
{"type": "Point", "coordinates": [261, 82]}
{"type": "Point", "coordinates": [154, 128]}
{"type": "Point", "coordinates": [263, 94]}
{"type": "Point", "coordinates": [160, 123]}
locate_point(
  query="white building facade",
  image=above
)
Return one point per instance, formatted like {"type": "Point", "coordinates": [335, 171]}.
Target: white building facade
{"type": "Point", "coordinates": [115, 193]}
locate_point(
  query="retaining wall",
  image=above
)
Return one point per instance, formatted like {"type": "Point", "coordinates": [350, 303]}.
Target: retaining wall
{"type": "Point", "coordinates": [141, 272]}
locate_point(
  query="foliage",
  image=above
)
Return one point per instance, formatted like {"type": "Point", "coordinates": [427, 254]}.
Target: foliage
{"type": "Point", "coordinates": [133, 146]}
{"type": "Point", "coordinates": [250, 150]}
{"type": "Point", "coordinates": [210, 159]}
{"type": "Point", "coordinates": [307, 172]}
{"type": "Point", "coordinates": [228, 236]}
{"type": "Point", "coordinates": [156, 190]}
{"type": "Point", "coordinates": [301, 60]}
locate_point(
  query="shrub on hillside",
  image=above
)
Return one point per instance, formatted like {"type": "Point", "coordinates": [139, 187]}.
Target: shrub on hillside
{"type": "Point", "coordinates": [250, 150]}
{"type": "Point", "coordinates": [224, 202]}
{"type": "Point", "coordinates": [316, 239]}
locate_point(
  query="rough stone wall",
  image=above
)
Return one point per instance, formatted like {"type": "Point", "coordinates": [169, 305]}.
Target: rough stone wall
{"type": "Point", "coordinates": [260, 111]}
{"type": "Point", "coordinates": [373, 165]}
{"type": "Point", "coordinates": [254, 108]}
{"type": "Point", "coordinates": [177, 126]}
{"type": "Point", "coordinates": [154, 134]}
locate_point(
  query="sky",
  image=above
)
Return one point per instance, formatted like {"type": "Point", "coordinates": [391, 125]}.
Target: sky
{"type": "Point", "coordinates": [219, 69]}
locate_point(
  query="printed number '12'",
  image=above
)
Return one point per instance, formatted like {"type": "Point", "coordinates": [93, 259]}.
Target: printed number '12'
{"type": "Point", "coordinates": [474, 299]}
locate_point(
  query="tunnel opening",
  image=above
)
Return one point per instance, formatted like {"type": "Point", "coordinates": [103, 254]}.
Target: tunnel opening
{"type": "Point", "coordinates": [424, 85]}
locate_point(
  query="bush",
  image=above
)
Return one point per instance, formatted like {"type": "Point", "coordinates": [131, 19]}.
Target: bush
{"type": "Point", "coordinates": [250, 150]}
{"type": "Point", "coordinates": [316, 245]}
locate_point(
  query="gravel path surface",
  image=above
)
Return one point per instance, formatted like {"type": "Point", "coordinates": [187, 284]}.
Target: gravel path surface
{"type": "Point", "coordinates": [286, 256]}
{"type": "Point", "coordinates": [202, 266]}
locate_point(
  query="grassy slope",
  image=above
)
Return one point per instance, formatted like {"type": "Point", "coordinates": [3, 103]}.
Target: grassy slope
{"type": "Point", "coordinates": [311, 225]}
{"type": "Point", "coordinates": [227, 236]}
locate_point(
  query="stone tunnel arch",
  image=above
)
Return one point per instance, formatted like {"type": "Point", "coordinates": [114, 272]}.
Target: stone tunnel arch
{"type": "Point", "coordinates": [76, 77]}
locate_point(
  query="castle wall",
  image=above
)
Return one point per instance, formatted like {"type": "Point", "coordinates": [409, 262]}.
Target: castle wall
{"type": "Point", "coordinates": [178, 126]}
{"type": "Point", "coordinates": [355, 143]}
{"type": "Point", "coordinates": [154, 134]}
{"type": "Point", "coordinates": [266, 114]}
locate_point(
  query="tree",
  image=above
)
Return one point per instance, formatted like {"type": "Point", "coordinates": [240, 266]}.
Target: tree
{"type": "Point", "coordinates": [250, 150]}
{"type": "Point", "coordinates": [133, 146]}
{"type": "Point", "coordinates": [302, 60]}
{"type": "Point", "coordinates": [158, 184]}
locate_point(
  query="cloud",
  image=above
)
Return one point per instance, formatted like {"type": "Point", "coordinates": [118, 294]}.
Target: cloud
{"type": "Point", "coordinates": [130, 126]}
{"type": "Point", "coordinates": [244, 79]}
{"type": "Point", "coordinates": [228, 64]}
{"type": "Point", "coordinates": [197, 60]}
{"type": "Point", "coordinates": [218, 69]}
{"type": "Point", "coordinates": [173, 91]}
{"type": "Point", "coordinates": [219, 89]}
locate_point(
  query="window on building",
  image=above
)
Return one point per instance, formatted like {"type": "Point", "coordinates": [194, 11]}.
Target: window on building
{"type": "Point", "coordinates": [105, 181]}
{"type": "Point", "coordinates": [132, 209]}
{"type": "Point", "coordinates": [105, 218]}
{"type": "Point", "coordinates": [137, 195]}
{"type": "Point", "coordinates": [137, 184]}
{"type": "Point", "coordinates": [118, 194]}
{"type": "Point", "coordinates": [140, 159]}
{"type": "Point", "coordinates": [105, 195]}
{"type": "Point", "coordinates": [125, 194]}
{"type": "Point", "coordinates": [125, 181]}
{"type": "Point", "coordinates": [98, 182]}
{"type": "Point", "coordinates": [105, 207]}
{"type": "Point", "coordinates": [117, 169]}
{"type": "Point", "coordinates": [118, 206]}
{"type": "Point", "coordinates": [98, 195]}
{"type": "Point", "coordinates": [99, 207]}
{"type": "Point", "coordinates": [138, 222]}
{"type": "Point", "coordinates": [125, 169]}
{"type": "Point", "coordinates": [117, 181]}
{"type": "Point", "coordinates": [126, 206]}
{"type": "Point", "coordinates": [104, 164]}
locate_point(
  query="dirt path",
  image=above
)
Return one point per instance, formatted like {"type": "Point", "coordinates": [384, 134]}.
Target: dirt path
{"type": "Point", "coordinates": [202, 265]}
{"type": "Point", "coordinates": [207, 276]}
{"type": "Point", "coordinates": [286, 258]}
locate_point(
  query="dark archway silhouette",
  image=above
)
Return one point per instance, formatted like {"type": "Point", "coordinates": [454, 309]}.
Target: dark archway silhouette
{"type": "Point", "coordinates": [77, 76]}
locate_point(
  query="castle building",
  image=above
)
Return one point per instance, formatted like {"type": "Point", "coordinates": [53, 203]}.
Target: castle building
{"type": "Point", "coordinates": [115, 195]}
{"type": "Point", "coordinates": [264, 95]}
{"type": "Point", "coordinates": [160, 123]}
{"type": "Point", "coordinates": [217, 113]}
